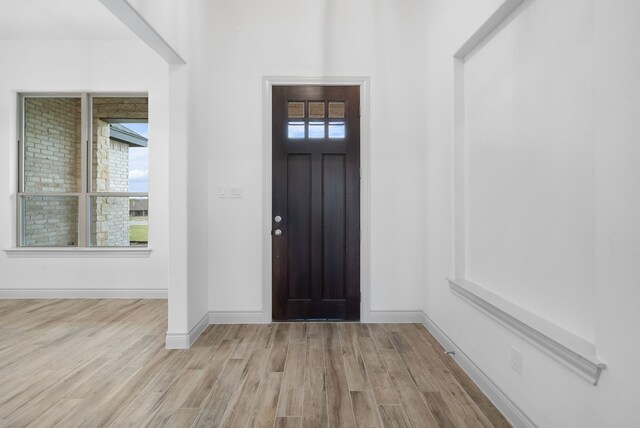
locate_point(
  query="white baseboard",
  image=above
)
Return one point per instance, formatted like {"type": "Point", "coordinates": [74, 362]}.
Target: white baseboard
{"type": "Point", "coordinates": [177, 341]}
{"type": "Point", "coordinates": [257, 317]}
{"type": "Point", "coordinates": [508, 408]}
{"type": "Point", "coordinates": [229, 317]}
{"type": "Point", "coordinates": [185, 340]}
{"type": "Point", "coordinates": [414, 316]}
{"type": "Point", "coordinates": [83, 293]}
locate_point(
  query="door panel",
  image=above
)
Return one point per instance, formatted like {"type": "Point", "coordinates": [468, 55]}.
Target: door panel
{"type": "Point", "coordinates": [316, 193]}
{"type": "Point", "coordinates": [299, 225]}
{"type": "Point", "coordinates": [334, 211]}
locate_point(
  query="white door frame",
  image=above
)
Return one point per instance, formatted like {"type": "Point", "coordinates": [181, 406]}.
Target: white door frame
{"type": "Point", "coordinates": [267, 83]}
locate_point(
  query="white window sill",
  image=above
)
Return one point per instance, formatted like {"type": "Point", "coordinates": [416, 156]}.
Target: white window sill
{"type": "Point", "coordinates": [44, 252]}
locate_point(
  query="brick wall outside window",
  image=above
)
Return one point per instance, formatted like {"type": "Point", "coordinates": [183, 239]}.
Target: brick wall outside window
{"type": "Point", "coordinates": [52, 164]}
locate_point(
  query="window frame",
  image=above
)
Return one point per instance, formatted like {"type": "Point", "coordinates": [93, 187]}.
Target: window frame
{"type": "Point", "coordinates": [85, 193]}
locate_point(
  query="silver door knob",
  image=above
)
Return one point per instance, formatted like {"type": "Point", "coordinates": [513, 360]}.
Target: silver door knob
{"type": "Point", "coordinates": [278, 219]}
{"type": "Point", "coordinates": [277, 232]}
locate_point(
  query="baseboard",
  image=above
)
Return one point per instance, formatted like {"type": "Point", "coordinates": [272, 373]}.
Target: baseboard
{"type": "Point", "coordinates": [414, 316]}
{"type": "Point", "coordinates": [82, 293]}
{"type": "Point", "coordinates": [177, 341]}
{"type": "Point", "coordinates": [185, 340]}
{"type": "Point", "coordinates": [508, 408]}
{"type": "Point", "coordinates": [257, 317]}
{"type": "Point", "coordinates": [230, 317]}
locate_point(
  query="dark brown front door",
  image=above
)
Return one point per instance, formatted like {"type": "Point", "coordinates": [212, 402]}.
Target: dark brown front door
{"type": "Point", "coordinates": [316, 202]}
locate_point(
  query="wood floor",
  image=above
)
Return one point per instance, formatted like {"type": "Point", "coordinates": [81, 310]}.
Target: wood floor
{"type": "Point", "coordinates": [85, 363]}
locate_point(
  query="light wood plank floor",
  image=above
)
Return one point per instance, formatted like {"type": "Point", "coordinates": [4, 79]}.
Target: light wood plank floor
{"type": "Point", "coordinates": [85, 363]}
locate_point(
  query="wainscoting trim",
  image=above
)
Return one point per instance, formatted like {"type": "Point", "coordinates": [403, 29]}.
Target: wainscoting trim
{"type": "Point", "coordinates": [569, 350]}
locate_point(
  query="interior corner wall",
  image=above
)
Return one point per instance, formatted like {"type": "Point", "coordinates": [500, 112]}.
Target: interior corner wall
{"type": "Point", "coordinates": [248, 40]}
{"type": "Point", "coordinates": [76, 66]}
{"type": "Point", "coordinates": [552, 200]}
{"type": "Point", "coordinates": [200, 141]}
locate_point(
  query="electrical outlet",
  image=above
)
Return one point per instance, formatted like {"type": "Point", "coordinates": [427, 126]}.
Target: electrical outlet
{"type": "Point", "coordinates": [516, 360]}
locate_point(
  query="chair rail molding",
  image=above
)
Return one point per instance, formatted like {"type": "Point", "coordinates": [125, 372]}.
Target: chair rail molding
{"type": "Point", "coordinates": [570, 350]}
{"type": "Point", "coordinates": [492, 26]}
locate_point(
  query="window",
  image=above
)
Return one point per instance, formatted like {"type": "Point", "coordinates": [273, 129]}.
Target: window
{"type": "Point", "coordinates": [312, 124]}
{"type": "Point", "coordinates": [83, 171]}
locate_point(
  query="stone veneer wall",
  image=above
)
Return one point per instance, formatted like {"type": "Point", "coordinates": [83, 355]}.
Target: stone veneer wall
{"type": "Point", "coordinates": [52, 164]}
{"type": "Point", "coordinates": [110, 215]}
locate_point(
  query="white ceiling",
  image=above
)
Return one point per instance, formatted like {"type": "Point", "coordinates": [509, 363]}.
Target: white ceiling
{"type": "Point", "coordinates": [59, 20]}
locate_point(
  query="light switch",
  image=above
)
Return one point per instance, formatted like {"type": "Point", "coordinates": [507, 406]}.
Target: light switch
{"type": "Point", "coordinates": [236, 191]}
{"type": "Point", "coordinates": [223, 191]}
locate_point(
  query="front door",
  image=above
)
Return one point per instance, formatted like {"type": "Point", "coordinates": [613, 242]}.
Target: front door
{"type": "Point", "coordinates": [316, 202]}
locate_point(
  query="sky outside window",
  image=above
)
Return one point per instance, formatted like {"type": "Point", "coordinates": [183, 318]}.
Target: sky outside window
{"type": "Point", "coordinates": [138, 160]}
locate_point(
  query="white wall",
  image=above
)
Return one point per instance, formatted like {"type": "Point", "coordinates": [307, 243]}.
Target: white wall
{"type": "Point", "coordinates": [178, 226]}
{"type": "Point", "coordinates": [216, 110]}
{"type": "Point", "coordinates": [60, 66]}
{"type": "Point", "coordinates": [531, 163]}
{"type": "Point", "coordinates": [247, 40]}
{"type": "Point", "coordinates": [180, 24]}
{"type": "Point", "coordinates": [617, 133]}
{"type": "Point", "coordinates": [552, 198]}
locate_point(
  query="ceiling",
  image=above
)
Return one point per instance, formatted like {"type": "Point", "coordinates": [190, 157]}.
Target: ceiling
{"type": "Point", "coordinates": [60, 20]}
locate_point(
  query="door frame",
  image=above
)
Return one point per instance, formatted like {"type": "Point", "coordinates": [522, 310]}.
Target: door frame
{"type": "Point", "coordinates": [267, 83]}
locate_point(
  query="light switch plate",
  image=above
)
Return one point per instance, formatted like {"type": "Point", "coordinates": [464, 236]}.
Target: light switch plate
{"type": "Point", "coordinates": [223, 191]}
{"type": "Point", "coordinates": [236, 191]}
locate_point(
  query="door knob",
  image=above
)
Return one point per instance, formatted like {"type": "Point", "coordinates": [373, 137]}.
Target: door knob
{"type": "Point", "coordinates": [278, 219]}
{"type": "Point", "coordinates": [277, 232]}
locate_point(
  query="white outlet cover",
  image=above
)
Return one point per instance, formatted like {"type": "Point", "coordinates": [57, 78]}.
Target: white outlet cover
{"type": "Point", "coordinates": [516, 360]}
